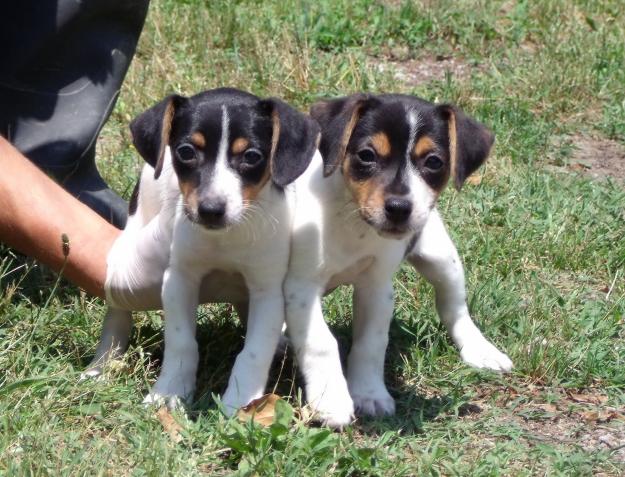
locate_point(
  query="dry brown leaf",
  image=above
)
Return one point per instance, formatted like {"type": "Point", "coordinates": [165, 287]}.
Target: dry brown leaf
{"type": "Point", "coordinates": [261, 410]}
{"type": "Point", "coordinates": [546, 407]}
{"type": "Point", "coordinates": [590, 398]}
{"type": "Point", "coordinates": [170, 425]}
{"type": "Point", "coordinates": [601, 416]}
{"type": "Point", "coordinates": [590, 416]}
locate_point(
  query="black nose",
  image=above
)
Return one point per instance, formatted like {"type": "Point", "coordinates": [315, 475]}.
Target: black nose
{"type": "Point", "coordinates": [212, 211]}
{"type": "Point", "coordinates": [397, 210]}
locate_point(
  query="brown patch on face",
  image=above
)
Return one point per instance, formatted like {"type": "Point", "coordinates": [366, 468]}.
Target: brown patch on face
{"type": "Point", "coordinates": [424, 145]}
{"type": "Point", "coordinates": [368, 194]}
{"type": "Point", "coordinates": [381, 144]}
{"type": "Point", "coordinates": [198, 140]}
{"type": "Point", "coordinates": [239, 145]}
{"type": "Point", "coordinates": [189, 195]}
{"type": "Point", "coordinates": [251, 191]}
{"type": "Point", "coordinates": [453, 139]}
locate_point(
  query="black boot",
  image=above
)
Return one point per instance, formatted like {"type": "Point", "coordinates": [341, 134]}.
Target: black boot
{"type": "Point", "coordinates": [61, 69]}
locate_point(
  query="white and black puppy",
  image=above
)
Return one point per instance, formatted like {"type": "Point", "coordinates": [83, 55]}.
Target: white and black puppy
{"type": "Point", "coordinates": [369, 205]}
{"type": "Point", "coordinates": [213, 197]}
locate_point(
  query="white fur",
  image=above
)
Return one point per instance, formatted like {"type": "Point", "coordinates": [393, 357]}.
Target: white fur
{"type": "Point", "coordinates": [225, 182]}
{"type": "Point", "coordinates": [414, 121]}
{"type": "Point", "coordinates": [245, 261]}
{"type": "Point", "coordinates": [331, 245]}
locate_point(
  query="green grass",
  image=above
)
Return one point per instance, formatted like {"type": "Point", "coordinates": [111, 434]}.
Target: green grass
{"type": "Point", "coordinates": [541, 251]}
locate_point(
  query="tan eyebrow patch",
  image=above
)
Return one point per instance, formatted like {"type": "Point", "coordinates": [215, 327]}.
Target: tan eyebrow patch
{"type": "Point", "coordinates": [198, 140]}
{"type": "Point", "coordinates": [381, 144]}
{"type": "Point", "coordinates": [423, 146]}
{"type": "Point", "coordinates": [239, 145]}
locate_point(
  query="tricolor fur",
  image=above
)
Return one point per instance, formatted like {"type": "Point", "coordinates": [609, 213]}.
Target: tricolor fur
{"type": "Point", "coordinates": [369, 205]}
{"type": "Point", "coordinates": [213, 196]}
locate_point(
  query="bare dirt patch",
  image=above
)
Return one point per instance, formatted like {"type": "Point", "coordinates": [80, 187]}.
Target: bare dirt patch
{"type": "Point", "coordinates": [581, 419]}
{"type": "Point", "coordinates": [596, 157]}
{"type": "Point", "coordinates": [419, 71]}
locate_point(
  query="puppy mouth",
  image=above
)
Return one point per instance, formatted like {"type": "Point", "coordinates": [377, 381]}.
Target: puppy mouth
{"type": "Point", "coordinates": [388, 229]}
{"type": "Point", "coordinates": [394, 231]}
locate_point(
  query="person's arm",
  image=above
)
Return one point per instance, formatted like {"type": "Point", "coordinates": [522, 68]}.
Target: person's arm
{"type": "Point", "coordinates": [34, 214]}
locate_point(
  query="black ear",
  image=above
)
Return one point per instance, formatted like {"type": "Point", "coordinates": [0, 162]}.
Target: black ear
{"type": "Point", "coordinates": [151, 129]}
{"type": "Point", "coordinates": [469, 143]}
{"type": "Point", "coordinates": [294, 140]}
{"type": "Point", "coordinates": [337, 119]}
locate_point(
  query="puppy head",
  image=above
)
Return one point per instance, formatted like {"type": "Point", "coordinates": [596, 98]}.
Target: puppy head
{"type": "Point", "coordinates": [226, 146]}
{"type": "Point", "coordinates": [397, 153]}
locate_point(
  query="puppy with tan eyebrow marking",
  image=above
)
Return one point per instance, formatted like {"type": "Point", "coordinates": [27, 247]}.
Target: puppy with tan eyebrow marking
{"type": "Point", "coordinates": [215, 195]}
{"type": "Point", "coordinates": [370, 205]}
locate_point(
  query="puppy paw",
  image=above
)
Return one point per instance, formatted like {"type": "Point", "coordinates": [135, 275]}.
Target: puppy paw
{"type": "Point", "coordinates": [232, 401]}
{"type": "Point", "coordinates": [372, 400]}
{"type": "Point", "coordinates": [336, 415]}
{"type": "Point", "coordinates": [484, 355]}
{"type": "Point", "coordinates": [157, 400]}
{"type": "Point", "coordinates": [170, 391]}
{"type": "Point", "coordinates": [94, 373]}
{"type": "Point", "coordinates": [333, 407]}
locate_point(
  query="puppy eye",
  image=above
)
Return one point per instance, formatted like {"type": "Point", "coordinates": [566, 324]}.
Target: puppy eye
{"type": "Point", "coordinates": [186, 152]}
{"type": "Point", "coordinates": [366, 155]}
{"type": "Point", "coordinates": [252, 157]}
{"type": "Point", "coordinates": [433, 162]}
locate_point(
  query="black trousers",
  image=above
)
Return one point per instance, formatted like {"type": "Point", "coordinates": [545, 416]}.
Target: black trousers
{"type": "Point", "coordinates": [61, 69]}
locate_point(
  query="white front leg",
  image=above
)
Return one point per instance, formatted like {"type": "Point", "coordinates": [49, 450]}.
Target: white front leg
{"type": "Point", "coordinates": [373, 310]}
{"type": "Point", "coordinates": [435, 256]}
{"type": "Point", "coordinates": [317, 354]}
{"type": "Point", "coordinates": [178, 372]}
{"type": "Point", "coordinates": [264, 326]}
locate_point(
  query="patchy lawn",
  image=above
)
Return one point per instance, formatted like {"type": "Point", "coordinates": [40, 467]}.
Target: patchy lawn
{"type": "Point", "coordinates": [540, 230]}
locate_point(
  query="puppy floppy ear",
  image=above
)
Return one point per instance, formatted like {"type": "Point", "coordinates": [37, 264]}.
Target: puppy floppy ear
{"type": "Point", "coordinates": [294, 140]}
{"type": "Point", "coordinates": [337, 119]}
{"type": "Point", "coordinates": [469, 143]}
{"type": "Point", "coordinates": [151, 130]}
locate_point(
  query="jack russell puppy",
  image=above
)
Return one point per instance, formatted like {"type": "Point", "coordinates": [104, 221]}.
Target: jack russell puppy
{"type": "Point", "coordinates": [368, 206]}
{"type": "Point", "coordinates": [210, 210]}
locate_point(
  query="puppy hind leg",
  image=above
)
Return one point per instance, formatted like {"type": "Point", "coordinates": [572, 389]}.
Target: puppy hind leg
{"type": "Point", "coordinates": [434, 255]}
{"type": "Point", "coordinates": [114, 338]}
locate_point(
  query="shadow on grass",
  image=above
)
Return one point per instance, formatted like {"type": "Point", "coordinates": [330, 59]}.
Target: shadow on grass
{"type": "Point", "coordinates": [221, 336]}
{"type": "Point", "coordinates": [34, 280]}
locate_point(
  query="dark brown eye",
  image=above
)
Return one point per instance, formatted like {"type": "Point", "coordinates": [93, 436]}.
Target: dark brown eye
{"type": "Point", "coordinates": [252, 157]}
{"type": "Point", "coordinates": [367, 155]}
{"type": "Point", "coordinates": [185, 152]}
{"type": "Point", "coordinates": [433, 162]}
